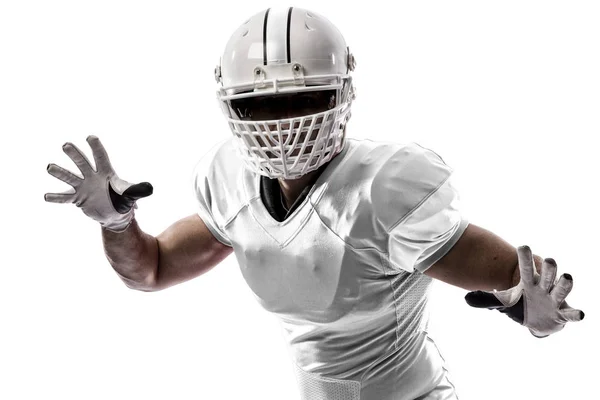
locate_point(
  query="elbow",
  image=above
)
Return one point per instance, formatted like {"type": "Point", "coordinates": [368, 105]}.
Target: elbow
{"type": "Point", "coordinates": [141, 288]}
{"type": "Point", "coordinates": [145, 284]}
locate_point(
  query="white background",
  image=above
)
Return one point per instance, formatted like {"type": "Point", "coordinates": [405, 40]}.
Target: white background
{"type": "Point", "coordinates": [507, 92]}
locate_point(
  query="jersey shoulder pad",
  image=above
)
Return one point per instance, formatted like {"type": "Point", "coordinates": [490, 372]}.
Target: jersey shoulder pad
{"type": "Point", "coordinates": [215, 189]}
{"type": "Point", "coordinates": [407, 177]}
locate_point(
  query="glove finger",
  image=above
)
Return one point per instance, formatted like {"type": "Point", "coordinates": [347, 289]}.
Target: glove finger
{"type": "Point", "coordinates": [562, 289]}
{"type": "Point", "coordinates": [564, 305]}
{"type": "Point", "coordinates": [64, 175]}
{"type": "Point", "coordinates": [138, 191]}
{"type": "Point", "coordinates": [78, 158]}
{"type": "Point", "coordinates": [481, 299]}
{"type": "Point", "coordinates": [526, 265]}
{"type": "Point", "coordinates": [548, 274]}
{"type": "Point", "coordinates": [100, 155]}
{"type": "Point", "coordinates": [124, 202]}
{"type": "Point", "coordinates": [60, 197]}
{"type": "Point", "coordinates": [572, 315]}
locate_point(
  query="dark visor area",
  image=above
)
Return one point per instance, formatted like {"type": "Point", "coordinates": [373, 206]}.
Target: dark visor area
{"type": "Point", "coordinates": [280, 106]}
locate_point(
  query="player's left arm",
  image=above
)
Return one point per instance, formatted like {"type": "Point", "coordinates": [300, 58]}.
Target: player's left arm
{"type": "Point", "coordinates": [513, 281]}
{"type": "Point", "coordinates": [415, 200]}
{"type": "Point", "coordinates": [480, 260]}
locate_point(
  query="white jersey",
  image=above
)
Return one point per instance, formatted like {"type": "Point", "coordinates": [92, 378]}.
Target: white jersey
{"type": "Point", "coordinates": [343, 273]}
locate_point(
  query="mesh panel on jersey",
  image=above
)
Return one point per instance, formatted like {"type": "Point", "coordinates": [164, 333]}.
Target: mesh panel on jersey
{"type": "Point", "coordinates": [314, 387]}
{"type": "Point", "coordinates": [411, 292]}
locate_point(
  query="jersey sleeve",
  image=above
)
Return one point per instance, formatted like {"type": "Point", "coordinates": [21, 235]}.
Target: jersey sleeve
{"type": "Point", "coordinates": [428, 232]}
{"type": "Point", "coordinates": [204, 188]}
{"type": "Point", "coordinates": [423, 218]}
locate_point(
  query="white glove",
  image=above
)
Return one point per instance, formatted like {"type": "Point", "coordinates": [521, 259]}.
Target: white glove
{"type": "Point", "coordinates": [101, 194]}
{"type": "Point", "coordinates": [537, 302]}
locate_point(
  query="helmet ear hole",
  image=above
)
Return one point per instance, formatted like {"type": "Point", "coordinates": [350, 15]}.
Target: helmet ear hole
{"type": "Point", "coordinates": [351, 61]}
{"type": "Point", "coordinates": [218, 73]}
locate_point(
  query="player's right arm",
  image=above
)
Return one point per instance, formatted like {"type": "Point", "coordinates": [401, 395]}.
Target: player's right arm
{"type": "Point", "coordinates": [185, 250]}
{"type": "Point", "coordinates": [182, 252]}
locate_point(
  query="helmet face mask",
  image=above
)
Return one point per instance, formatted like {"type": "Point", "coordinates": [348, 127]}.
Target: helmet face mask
{"type": "Point", "coordinates": [287, 100]}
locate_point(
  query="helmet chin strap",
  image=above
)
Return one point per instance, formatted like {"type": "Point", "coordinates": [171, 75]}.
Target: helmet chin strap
{"type": "Point", "coordinates": [282, 197]}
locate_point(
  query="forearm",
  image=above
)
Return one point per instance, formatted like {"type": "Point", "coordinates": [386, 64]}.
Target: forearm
{"type": "Point", "coordinates": [133, 255]}
{"type": "Point", "coordinates": [480, 260]}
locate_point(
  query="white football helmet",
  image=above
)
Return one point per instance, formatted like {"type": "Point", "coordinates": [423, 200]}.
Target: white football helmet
{"type": "Point", "coordinates": [286, 91]}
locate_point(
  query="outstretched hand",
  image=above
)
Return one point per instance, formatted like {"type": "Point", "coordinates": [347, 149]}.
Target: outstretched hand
{"type": "Point", "coordinates": [100, 194]}
{"type": "Point", "coordinates": [537, 302]}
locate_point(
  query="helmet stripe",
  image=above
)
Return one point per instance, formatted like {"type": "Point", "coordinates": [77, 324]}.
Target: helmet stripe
{"type": "Point", "coordinates": [265, 37]}
{"type": "Point", "coordinates": [288, 39]}
{"type": "Point", "coordinates": [276, 35]}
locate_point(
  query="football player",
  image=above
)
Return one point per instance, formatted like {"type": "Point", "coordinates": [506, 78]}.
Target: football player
{"type": "Point", "coordinates": [339, 238]}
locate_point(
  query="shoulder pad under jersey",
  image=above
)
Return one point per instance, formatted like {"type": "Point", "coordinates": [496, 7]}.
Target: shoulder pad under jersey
{"type": "Point", "coordinates": [404, 180]}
